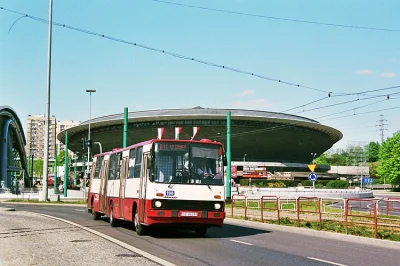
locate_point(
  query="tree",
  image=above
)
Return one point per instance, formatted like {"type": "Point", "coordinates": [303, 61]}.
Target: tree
{"type": "Point", "coordinates": [338, 157]}
{"type": "Point", "coordinates": [373, 151]}
{"type": "Point", "coordinates": [38, 167]}
{"type": "Point", "coordinates": [61, 158]}
{"type": "Point", "coordinates": [373, 172]}
{"type": "Point", "coordinates": [389, 158]}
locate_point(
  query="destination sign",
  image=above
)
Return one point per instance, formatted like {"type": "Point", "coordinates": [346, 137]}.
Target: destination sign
{"type": "Point", "coordinates": [173, 147]}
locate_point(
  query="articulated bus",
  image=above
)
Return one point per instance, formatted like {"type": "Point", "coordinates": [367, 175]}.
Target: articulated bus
{"type": "Point", "coordinates": [157, 183]}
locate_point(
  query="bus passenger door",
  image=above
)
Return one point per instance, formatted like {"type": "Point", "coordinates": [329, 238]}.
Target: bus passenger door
{"type": "Point", "coordinates": [143, 186]}
{"type": "Point", "coordinates": [103, 188]}
{"type": "Point", "coordinates": [122, 187]}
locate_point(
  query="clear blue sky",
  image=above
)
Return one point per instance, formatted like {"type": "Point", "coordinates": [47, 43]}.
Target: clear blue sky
{"type": "Point", "coordinates": [336, 59]}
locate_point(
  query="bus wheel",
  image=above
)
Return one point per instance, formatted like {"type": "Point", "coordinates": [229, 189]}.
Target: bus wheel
{"type": "Point", "coordinates": [201, 231]}
{"type": "Point", "coordinates": [113, 222]}
{"type": "Point", "coordinates": [95, 214]}
{"type": "Point", "coordinates": [139, 228]}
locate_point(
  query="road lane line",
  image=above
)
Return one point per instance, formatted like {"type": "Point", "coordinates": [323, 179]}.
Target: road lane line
{"type": "Point", "coordinates": [116, 241]}
{"type": "Point", "coordinates": [327, 261]}
{"type": "Point", "coordinates": [237, 241]}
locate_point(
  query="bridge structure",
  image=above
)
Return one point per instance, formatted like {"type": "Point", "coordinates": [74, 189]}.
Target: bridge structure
{"type": "Point", "coordinates": [13, 159]}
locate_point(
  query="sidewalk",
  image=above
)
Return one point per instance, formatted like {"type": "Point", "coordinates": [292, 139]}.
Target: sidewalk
{"type": "Point", "coordinates": [33, 239]}
{"type": "Point", "coordinates": [72, 194]}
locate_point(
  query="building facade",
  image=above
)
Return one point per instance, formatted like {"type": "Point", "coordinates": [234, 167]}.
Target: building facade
{"type": "Point", "coordinates": [61, 126]}
{"type": "Point", "coordinates": [35, 131]}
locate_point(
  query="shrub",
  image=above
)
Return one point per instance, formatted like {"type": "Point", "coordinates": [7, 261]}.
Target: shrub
{"type": "Point", "coordinates": [337, 184]}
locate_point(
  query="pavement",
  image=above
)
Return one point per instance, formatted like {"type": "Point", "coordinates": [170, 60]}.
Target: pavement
{"type": "Point", "coordinates": [46, 240]}
{"type": "Point", "coordinates": [72, 194]}
{"type": "Point", "coordinates": [35, 239]}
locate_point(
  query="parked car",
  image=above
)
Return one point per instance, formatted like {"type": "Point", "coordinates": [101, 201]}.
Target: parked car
{"type": "Point", "coordinates": [50, 180]}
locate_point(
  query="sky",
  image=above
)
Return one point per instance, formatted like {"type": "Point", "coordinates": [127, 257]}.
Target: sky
{"type": "Point", "coordinates": [349, 48]}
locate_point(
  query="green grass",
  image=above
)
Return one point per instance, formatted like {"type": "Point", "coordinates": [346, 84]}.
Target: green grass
{"type": "Point", "coordinates": [47, 202]}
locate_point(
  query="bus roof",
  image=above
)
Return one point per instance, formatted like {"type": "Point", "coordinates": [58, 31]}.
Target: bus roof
{"type": "Point", "coordinates": [202, 141]}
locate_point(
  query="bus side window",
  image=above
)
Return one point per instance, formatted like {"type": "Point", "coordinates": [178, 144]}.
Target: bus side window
{"type": "Point", "coordinates": [131, 163]}
{"type": "Point", "coordinates": [118, 165]}
{"type": "Point", "coordinates": [113, 167]}
{"type": "Point", "coordinates": [98, 167]}
{"type": "Point", "coordinates": [138, 162]}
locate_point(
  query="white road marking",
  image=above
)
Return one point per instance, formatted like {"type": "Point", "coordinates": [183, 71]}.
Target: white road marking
{"type": "Point", "coordinates": [237, 241]}
{"type": "Point", "coordinates": [79, 210]}
{"type": "Point", "coordinates": [327, 261]}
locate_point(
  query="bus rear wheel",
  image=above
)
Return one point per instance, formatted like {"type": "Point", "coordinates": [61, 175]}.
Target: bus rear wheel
{"type": "Point", "coordinates": [113, 222]}
{"type": "Point", "coordinates": [95, 214]}
{"type": "Point", "coordinates": [139, 228]}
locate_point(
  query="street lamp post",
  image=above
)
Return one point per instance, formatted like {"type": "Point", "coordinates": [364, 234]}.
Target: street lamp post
{"type": "Point", "coordinates": [244, 157]}
{"type": "Point", "coordinates": [89, 141]}
{"type": "Point", "coordinates": [313, 154]}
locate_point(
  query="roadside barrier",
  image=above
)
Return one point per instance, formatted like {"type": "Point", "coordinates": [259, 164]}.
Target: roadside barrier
{"type": "Point", "coordinates": [377, 218]}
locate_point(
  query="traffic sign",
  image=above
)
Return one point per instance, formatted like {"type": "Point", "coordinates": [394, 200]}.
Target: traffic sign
{"type": "Point", "coordinates": [88, 143]}
{"type": "Point", "coordinates": [367, 180]}
{"type": "Point", "coordinates": [312, 177]}
{"type": "Point", "coordinates": [312, 167]}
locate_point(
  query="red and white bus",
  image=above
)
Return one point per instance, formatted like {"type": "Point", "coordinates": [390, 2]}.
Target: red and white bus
{"type": "Point", "coordinates": [159, 182]}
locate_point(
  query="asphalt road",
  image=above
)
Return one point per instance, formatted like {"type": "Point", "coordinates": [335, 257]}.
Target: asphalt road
{"type": "Point", "coordinates": [239, 243]}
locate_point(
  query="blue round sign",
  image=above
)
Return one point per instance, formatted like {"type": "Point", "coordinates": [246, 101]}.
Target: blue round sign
{"type": "Point", "coordinates": [312, 177]}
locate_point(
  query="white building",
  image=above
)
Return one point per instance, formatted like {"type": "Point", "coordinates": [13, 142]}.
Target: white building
{"type": "Point", "coordinates": [35, 131]}
{"type": "Point", "coordinates": [61, 126]}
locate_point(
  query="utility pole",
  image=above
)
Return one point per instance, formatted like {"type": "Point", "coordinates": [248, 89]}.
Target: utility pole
{"type": "Point", "coordinates": [47, 121]}
{"type": "Point", "coordinates": [382, 127]}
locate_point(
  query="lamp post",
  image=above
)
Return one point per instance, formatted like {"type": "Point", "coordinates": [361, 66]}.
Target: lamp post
{"type": "Point", "coordinates": [88, 141]}
{"type": "Point", "coordinates": [48, 121]}
{"type": "Point", "coordinates": [244, 157]}
{"type": "Point", "coordinates": [313, 154]}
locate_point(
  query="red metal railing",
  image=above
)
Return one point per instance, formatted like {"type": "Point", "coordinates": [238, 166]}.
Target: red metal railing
{"type": "Point", "coordinates": [307, 200]}
{"type": "Point", "coordinates": [275, 208]}
{"type": "Point", "coordinates": [362, 206]}
{"type": "Point", "coordinates": [239, 197]}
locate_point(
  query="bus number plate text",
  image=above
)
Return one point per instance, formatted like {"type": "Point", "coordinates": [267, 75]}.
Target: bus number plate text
{"type": "Point", "coordinates": [189, 214]}
{"type": "Point", "coordinates": [169, 193]}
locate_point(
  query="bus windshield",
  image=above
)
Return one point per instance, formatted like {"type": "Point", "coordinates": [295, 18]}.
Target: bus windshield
{"type": "Point", "coordinates": [188, 163]}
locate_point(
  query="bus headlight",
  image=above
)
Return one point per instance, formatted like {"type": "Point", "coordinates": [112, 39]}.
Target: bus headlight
{"type": "Point", "coordinates": [217, 206]}
{"type": "Point", "coordinates": [157, 203]}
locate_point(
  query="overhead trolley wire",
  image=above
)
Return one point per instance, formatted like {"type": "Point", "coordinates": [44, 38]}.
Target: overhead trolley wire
{"type": "Point", "coordinates": [165, 51]}
{"type": "Point", "coordinates": [277, 18]}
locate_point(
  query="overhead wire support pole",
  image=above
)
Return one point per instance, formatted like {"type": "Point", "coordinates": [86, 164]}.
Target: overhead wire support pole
{"type": "Point", "coordinates": [47, 121]}
{"type": "Point", "coordinates": [89, 142]}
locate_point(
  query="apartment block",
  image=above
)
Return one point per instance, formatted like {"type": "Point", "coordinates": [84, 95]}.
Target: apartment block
{"type": "Point", "coordinates": [35, 131]}
{"type": "Point", "coordinates": [64, 125]}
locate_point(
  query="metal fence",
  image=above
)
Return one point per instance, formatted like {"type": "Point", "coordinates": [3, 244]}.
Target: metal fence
{"type": "Point", "coordinates": [353, 215]}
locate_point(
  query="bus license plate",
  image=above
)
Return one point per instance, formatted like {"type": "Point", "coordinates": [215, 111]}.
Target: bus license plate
{"type": "Point", "coordinates": [189, 214]}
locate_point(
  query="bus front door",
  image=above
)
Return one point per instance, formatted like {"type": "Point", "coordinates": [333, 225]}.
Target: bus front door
{"type": "Point", "coordinates": [103, 188]}
{"type": "Point", "coordinates": [121, 198]}
{"type": "Point", "coordinates": [143, 184]}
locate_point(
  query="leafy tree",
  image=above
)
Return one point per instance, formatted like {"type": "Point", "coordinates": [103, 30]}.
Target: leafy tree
{"type": "Point", "coordinates": [373, 171]}
{"type": "Point", "coordinates": [389, 158]}
{"type": "Point", "coordinates": [333, 158]}
{"type": "Point", "coordinates": [61, 158]}
{"type": "Point", "coordinates": [373, 151]}
{"type": "Point", "coordinates": [38, 167]}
